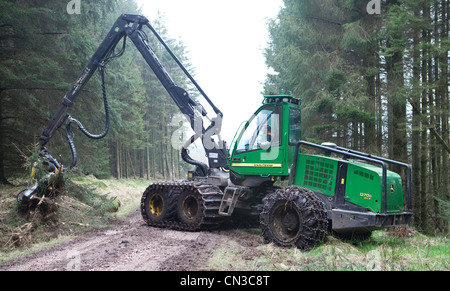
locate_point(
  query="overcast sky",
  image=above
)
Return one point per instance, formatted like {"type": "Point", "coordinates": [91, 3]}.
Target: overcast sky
{"type": "Point", "coordinates": [225, 40]}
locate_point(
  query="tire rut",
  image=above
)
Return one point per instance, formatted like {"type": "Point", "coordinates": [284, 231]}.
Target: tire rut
{"type": "Point", "coordinates": [131, 245]}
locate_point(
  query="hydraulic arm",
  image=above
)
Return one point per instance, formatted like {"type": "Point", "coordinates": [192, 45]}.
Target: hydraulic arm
{"type": "Point", "coordinates": [131, 26]}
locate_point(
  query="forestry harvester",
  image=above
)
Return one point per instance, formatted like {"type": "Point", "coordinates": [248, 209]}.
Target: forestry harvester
{"type": "Point", "coordinates": [268, 173]}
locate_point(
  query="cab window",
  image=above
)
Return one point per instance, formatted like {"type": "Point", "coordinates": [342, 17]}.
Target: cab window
{"type": "Point", "coordinates": [262, 132]}
{"type": "Point", "coordinates": [295, 125]}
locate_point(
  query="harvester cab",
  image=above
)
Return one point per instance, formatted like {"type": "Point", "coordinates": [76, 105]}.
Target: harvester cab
{"type": "Point", "coordinates": [263, 152]}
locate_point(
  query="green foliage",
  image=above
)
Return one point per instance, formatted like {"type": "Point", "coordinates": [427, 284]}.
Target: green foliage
{"type": "Point", "coordinates": [87, 194]}
{"type": "Point", "coordinates": [34, 165]}
{"type": "Point", "coordinates": [383, 251]}
{"type": "Point", "coordinates": [316, 52]}
{"type": "Point", "coordinates": [444, 206]}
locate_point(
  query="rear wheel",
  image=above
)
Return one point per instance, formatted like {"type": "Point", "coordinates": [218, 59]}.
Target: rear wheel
{"type": "Point", "coordinates": [158, 205]}
{"type": "Point", "coordinates": [293, 216]}
{"type": "Point", "coordinates": [190, 208]}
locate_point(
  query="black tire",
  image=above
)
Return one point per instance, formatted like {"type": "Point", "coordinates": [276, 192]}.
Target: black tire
{"type": "Point", "coordinates": [294, 216]}
{"type": "Point", "coordinates": [158, 204]}
{"type": "Point", "coordinates": [190, 209]}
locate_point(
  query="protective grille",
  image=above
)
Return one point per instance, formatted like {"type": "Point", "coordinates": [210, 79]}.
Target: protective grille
{"type": "Point", "coordinates": [318, 174]}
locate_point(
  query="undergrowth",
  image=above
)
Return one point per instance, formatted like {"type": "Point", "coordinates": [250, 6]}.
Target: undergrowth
{"type": "Point", "coordinates": [386, 250]}
{"type": "Point", "coordinates": [81, 204]}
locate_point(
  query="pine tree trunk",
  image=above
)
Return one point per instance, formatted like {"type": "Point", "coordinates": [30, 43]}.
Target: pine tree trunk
{"type": "Point", "coordinates": [3, 179]}
{"type": "Point", "coordinates": [379, 113]}
{"type": "Point", "coordinates": [424, 138]}
{"type": "Point", "coordinates": [415, 139]}
{"type": "Point", "coordinates": [118, 176]}
{"type": "Point", "coordinates": [147, 156]}
{"type": "Point", "coordinates": [445, 195]}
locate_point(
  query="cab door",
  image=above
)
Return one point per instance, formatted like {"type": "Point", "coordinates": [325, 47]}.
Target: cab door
{"type": "Point", "coordinates": [258, 150]}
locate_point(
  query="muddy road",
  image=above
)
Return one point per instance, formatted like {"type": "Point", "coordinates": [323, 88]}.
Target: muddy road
{"type": "Point", "coordinates": [132, 245]}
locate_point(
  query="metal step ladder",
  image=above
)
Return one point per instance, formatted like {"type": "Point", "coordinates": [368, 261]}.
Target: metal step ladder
{"type": "Point", "coordinates": [229, 200]}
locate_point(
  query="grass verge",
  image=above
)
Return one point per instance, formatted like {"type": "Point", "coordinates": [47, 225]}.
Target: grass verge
{"type": "Point", "coordinates": [84, 205]}
{"type": "Point", "coordinates": [383, 251]}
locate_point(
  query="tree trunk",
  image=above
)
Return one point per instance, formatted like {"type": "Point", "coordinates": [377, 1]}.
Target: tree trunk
{"type": "Point", "coordinates": [3, 179]}
{"type": "Point", "coordinates": [415, 139]}
{"type": "Point", "coordinates": [118, 159]}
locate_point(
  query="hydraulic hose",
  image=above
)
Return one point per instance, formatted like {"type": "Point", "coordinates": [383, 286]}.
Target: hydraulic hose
{"type": "Point", "coordinates": [105, 102]}
{"type": "Point", "coordinates": [69, 136]}
{"type": "Point", "coordinates": [69, 132]}
{"type": "Point", "coordinates": [185, 156]}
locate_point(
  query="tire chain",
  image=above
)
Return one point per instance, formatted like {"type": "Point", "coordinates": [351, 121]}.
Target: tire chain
{"type": "Point", "coordinates": [316, 223]}
{"type": "Point", "coordinates": [211, 197]}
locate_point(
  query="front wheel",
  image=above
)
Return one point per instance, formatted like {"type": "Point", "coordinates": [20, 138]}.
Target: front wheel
{"type": "Point", "coordinates": [294, 216]}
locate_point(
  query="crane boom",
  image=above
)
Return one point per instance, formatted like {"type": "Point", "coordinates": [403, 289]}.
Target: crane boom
{"type": "Point", "coordinates": [131, 26]}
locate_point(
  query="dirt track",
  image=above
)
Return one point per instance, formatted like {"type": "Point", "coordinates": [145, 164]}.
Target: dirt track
{"type": "Point", "coordinates": [132, 245]}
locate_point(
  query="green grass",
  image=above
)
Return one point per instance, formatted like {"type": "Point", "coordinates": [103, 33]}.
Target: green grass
{"type": "Point", "coordinates": [380, 252]}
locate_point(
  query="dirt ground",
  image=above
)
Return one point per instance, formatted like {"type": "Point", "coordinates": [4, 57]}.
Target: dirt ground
{"type": "Point", "coordinates": [132, 245]}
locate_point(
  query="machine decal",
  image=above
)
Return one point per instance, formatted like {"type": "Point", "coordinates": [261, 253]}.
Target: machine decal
{"type": "Point", "coordinates": [258, 165]}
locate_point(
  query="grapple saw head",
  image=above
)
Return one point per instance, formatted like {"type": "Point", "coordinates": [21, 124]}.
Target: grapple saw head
{"type": "Point", "coordinates": [45, 179]}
